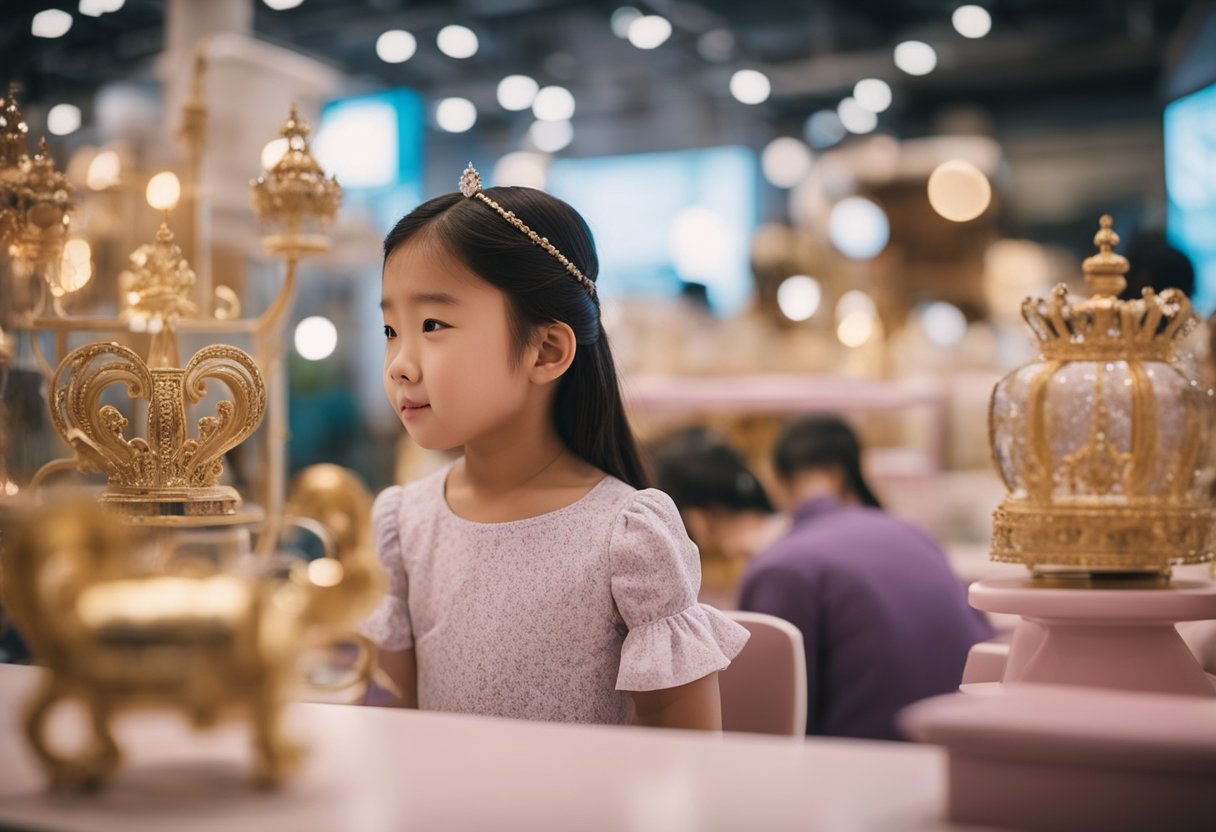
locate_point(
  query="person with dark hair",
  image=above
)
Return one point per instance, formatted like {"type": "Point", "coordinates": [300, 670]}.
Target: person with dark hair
{"type": "Point", "coordinates": [536, 577]}
{"type": "Point", "coordinates": [884, 619]}
{"type": "Point", "coordinates": [724, 506]}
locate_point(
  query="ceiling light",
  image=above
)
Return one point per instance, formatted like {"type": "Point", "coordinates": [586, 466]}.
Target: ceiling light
{"type": "Point", "coordinates": [396, 46]}
{"type": "Point", "coordinates": [858, 228]}
{"type": "Point", "coordinates": [455, 115]}
{"type": "Point", "coordinates": [316, 338]}
{"type": "Point", "coordinates": [521, 168]}
{"type": "Point", "coordinates": [785, 162]}
{"type": "Point", "coordinates": [551, 136]}
{"type": "Point", "coordinates": [944, 323]}
{"type": "Point", "coordinates": [103, 171]}
{"type": "Point", "coordinates": [457, 41]}
{"type": "Point", "coordinates": [855, 302]}
{"type": "Point", "coordinates": [164, 190]}
{"type": "Point", "coordinates": [63, 119]}
{"type": "Point", "coordinates": [971, 21]}
{"type": "Point", "coordinates": [959, 191]}
{"type": "Point", "coordinates": [856, 118]}
{"type": "Point", "coordinates": [52, 23]}
{"type": "Point", "coordinates": [92, 8]}
{"type": "Point", "coordinates": [553, 104]}
{"type": "Point", "coordinates": [873, 94]}
{"type": "Point", "coordinates": [915, 57]}
{"type": "Point", "coordinates": [750, 86]}
{"type": "Point", "coordinates": [649, 31]}
{"type": "Point", "coordinates": [517, 92]}
{"type": "Point", "coordinates": [282, 5]}
{"type": "Point", "coordinates": [798, 297]}
{"type": "Point", "coordinates": [854, 330]}
{"type": "Point", "coordinates": [75, 267]}
{"type": "Point", "coordinates": [621, 20]}
{"type": "Point", "coordinates": [823, 129]}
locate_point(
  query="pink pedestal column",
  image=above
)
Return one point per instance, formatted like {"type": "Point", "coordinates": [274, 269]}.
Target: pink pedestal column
{"type": "Point", "coordinates": [1110, 638]}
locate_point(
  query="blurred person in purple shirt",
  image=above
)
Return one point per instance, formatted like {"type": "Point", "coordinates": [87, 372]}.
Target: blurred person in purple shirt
{"type": "Point", "coordinates": [884, 618]}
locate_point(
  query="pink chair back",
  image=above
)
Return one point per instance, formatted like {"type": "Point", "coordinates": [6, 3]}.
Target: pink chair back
{"type": "Point", "coordinates": [764, 689]}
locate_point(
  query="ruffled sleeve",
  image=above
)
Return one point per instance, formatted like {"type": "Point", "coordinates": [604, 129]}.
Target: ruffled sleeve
{"type": "Point", "coordinates": [656, 573]}
{"type": "Point", "coordinates": [389, 625]}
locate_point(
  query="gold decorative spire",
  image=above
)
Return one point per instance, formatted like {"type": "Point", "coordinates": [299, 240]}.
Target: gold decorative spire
{"type": "Point", "coordinates": [1104, 271]}
{"type": "Point", "coordinates": [157, 285]}
{"type": "Point", "coordinates": [41, 203]}
{"type": "Point", "coordinates": [296, 189]}
{"type": "Point", "coordinates": [13, 131]}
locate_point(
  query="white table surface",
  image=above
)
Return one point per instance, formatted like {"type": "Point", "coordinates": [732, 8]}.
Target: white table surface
{"type": "Point", "coordinates": [376, 769]}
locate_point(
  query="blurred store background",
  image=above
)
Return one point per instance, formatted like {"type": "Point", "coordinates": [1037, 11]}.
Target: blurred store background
{"type": "Point", "coordinates": [799, 205]}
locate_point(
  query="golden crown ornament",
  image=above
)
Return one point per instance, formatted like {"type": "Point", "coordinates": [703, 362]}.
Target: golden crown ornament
{"type": "Point", "coordinates": [167, 473]}
{"type": "Point", "coordinates": [295, 193]}
{"type": "Point", "coordinates": [1103, 440]}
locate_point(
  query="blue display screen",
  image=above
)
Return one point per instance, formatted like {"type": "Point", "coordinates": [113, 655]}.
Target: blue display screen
{"type": "Point", "coordinates": [1190, 180]}
{"type": "Point", "coordinates": [664, 219]}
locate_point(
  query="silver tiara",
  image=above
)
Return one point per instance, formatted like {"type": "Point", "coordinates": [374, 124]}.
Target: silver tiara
{"type": "Point", "coordinates": [470, 186]}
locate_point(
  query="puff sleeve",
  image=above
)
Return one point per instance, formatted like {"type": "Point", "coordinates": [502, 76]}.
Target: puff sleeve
{"type": "Point", "coordinates": [656, 574]}
{"type": "Point", "coordinates": [389, 625]}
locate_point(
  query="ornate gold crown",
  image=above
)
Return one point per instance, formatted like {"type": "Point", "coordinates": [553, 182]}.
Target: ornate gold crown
{"type": "Point", "coordinates": [1103, 441]}
{"type": "Point", "coordinates": [295, 191]}
{"type": "Point", "coordinates": [470, 187]}
{"type": "Point", "coordinates": [169, 473]}
{"type": "Point", "coordinates": [1102, 326]}
{"type": "Point", "coordinates": [38, 205]}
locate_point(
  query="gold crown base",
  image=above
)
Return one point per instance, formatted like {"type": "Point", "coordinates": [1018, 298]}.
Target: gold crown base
{"type": "Point", "coordinates": [172, 504]}
{"type": "Point", "coordinates": [1129, 538]}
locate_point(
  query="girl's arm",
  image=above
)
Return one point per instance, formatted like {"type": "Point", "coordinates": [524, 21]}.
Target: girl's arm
{"type": "Point", "coordinates": [402, 668]}
{"type": "Point", "coordinates": [695, 705]}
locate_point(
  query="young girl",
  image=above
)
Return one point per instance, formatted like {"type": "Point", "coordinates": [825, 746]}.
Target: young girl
{"type": "Point", "coordinates": [531, 578]}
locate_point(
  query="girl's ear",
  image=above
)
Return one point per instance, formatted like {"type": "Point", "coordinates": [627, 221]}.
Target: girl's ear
{"type": "Point", "coordinates": [555, 346]}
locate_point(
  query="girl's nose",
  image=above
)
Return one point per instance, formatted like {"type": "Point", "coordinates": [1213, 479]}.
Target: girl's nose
{"type": "Point", "coordinates": [402, 367]}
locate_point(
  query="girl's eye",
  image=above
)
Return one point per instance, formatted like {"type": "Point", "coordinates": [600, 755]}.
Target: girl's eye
{"type": "Point", "coordinates": [389, 332]}
{"type": "Point", "coordinates": [432, 325]}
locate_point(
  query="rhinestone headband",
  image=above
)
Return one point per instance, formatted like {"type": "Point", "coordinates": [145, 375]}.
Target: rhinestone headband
{"type": "Point", "coordinates": [470, 186]}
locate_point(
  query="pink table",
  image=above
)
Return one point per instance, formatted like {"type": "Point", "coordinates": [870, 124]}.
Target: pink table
{"type": "Point", "coordinates": [377, 769]}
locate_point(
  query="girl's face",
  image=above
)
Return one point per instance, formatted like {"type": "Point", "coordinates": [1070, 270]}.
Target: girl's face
{"type": "Point", "coordinates": [448, 367]}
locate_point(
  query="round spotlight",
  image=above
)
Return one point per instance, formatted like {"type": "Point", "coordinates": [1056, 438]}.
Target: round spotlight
{"type": "Point", "coordinates": [517, 92]}
{"type": "Point", "coordinates": [553, 104]}
{"type": "Point", "coordinates": [858, 228]}
{"type": "Point", "coordinates": [854, 330]}
{"type": "Point", "coordinates": [457, 41]}
{"type": "Point", "coordinates": [63, 119]}
{"type": "Point", "coordinates": [944, 324]}
{"type": "Point", "coordinates": [51, 23]}
{"type": "Point", "coordinates": [551, 136]}
{"type": "Point", "coordinates": [649, 31]}
{"type": "Point", "coordinates": [824, 129]}
{"type": "Point", "coordinates": [104, 171]}
{"type": "Point", "coordinates": [750, 86]}
{"type": "Point", "coordinates": [163, 191]}
{"type": "Point", "coordinates": [282, 5]}
{"type": "Point", "coordinates": [915, 57]}
{"type": "Point", "coordinates": [873, 94]}
{"type": "Point", "coordinates": [396, 46]}
{"type": "Point", "coordinates": [316, 338]}
{"type": "Point", "coordinates": [971, 21]}
{"type": "Point", "coordinates": [785, 162]}
{"type": "Point", "coordinates": [856, 118]}
{"type": "Point", "coordinates": [798, 297]}
{"type": "Point", "coordinates": [455, 115]}
{"type": "Point", "coordinates": [621, 20]}
{"type": "Point", "coordinates": [959, 191]}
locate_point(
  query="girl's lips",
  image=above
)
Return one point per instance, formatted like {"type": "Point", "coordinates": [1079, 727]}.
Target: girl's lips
{"type": "Point", "coordinates": [411, 409]}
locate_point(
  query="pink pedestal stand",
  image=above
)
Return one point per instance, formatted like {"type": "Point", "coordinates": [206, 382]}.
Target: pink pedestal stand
{"type": "Point", "coordinates": [1110, 638]}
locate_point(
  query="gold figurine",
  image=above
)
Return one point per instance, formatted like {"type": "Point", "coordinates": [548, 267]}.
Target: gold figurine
{"type": "Point", "coordinates": [114, 637]}
{"type": "Point", "coordinates": [1103, 440]}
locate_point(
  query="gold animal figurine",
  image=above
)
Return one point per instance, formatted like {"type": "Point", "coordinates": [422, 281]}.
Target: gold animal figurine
{"type": "Point", "coordinates": [115, 637]}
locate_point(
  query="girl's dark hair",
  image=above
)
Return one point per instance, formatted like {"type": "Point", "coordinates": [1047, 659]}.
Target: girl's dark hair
{"type": "Point", "coordinates": [588, 412]}
{"type": "Point", "coordinates": [698, 470]}
{"type": "Point", "coordinates": [819, 441]}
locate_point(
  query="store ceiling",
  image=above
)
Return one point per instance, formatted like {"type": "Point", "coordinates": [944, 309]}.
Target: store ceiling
{"type": "Point", "coordinates": [1045, 62]}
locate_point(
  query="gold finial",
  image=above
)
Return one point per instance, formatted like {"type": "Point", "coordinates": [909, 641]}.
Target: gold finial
{"type": "Point", "coordinates": [1104, 271]}
{"type": "Point", "coordinates": [156, 288]}
{"type": "Point", "coordinates": [296, 189]}
{"type": "Point", "coordinates": [38, 205]}
{"type": "Point", "coordinates": [13, 130]}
